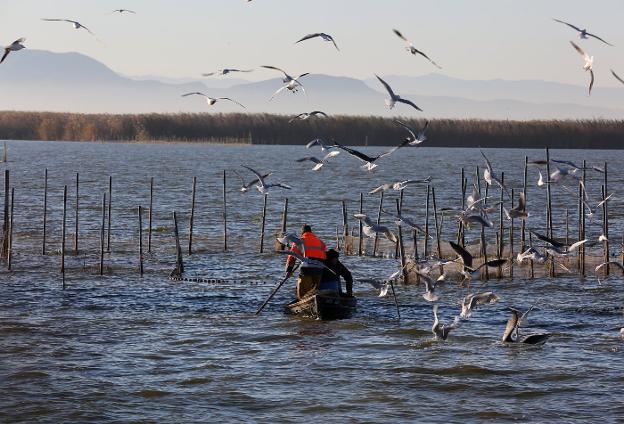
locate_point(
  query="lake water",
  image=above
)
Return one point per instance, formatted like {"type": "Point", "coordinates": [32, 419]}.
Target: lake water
{"type": "Point", "coordinates": [121, 348]}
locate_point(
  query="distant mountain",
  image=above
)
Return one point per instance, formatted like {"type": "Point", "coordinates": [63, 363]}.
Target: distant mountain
{"type": "Point", "coordinates": [40, 80]}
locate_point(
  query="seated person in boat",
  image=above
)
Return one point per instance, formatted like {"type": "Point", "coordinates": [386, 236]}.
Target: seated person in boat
{"type": "Point", "coordinates": [330, 282]}
{"type": "Point", "coordinates": [309, 274]}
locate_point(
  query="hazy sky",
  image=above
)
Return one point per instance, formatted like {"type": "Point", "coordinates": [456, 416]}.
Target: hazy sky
{"type": "Point", "coordinates": [471, 39]}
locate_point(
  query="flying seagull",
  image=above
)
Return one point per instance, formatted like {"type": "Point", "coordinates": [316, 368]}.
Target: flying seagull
{"type": "Point", "coordinates": [473, 301]}
{"type": "Point", "coordinates": [225, 71]}
{"type": "Point", "coordinates": [532, 254]}
{"type": "Point", "coordinates": [589, 64]}
{"type": "Point", "coordinates": [124, 11]}
{"type": "Point", "coordinates": [370, 228]}
{"type": "Point", "coordinates": [441, 331]}
{"type": "Point", "coordinates": [304, 260]}
{"type": "Point", "coordinates": [369, 161]}
{"type": "Point", "coordinates": [511, 334]}
{"type": "Point", "coordinates": [413, 50]}
{"type": "Point", "coordinates": [430, 286]}
{"type": "Point", "coordinates": [399, 185]}
{"type": "Point", "coordinates": [394, 98]}
{"type": "Point", "coordinates": [307, 115]}
{"type": "Point", "coordinates": [519, 211]}
{"type": "Point", "coordinates": [489, 176]}
{"type": "Point", "coordinates": [617, 77]}
{"type": "Point", "coordinates": [211, 100]}
{"type": "Point", "coordinates": [263, 187]}
{"type": "Point", "coordinates": [414, 139]}
{"type": "Point", "coordinates": [319, 162]}
{"type": "Point", "coordinates": [246, 186]}
{"type": "Point", "coordinates": [15, 46]}
{"type": "Point", "coordinates": [325, 37]}
{"type": "Point", "coordinates": [319, 142]}
{"type": "Point", "coordinates": [468, 271]}
{"type": "Point", "coordinates": [76, 24]}
{"type": "Point", "coordinates": [292, 84]}
{"type": "Point", "coordinates": [583, 34]}
{"type": "Point", "coordinates": [557, 248]}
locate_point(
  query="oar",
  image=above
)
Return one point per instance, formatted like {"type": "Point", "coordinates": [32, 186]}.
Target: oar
{"type": "Point", "coordinates": [276, 289]}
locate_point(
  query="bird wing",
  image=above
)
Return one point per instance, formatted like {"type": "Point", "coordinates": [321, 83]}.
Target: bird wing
{"type": "Point", "coordinates": [334, 41]}
{"type": "Point", "coordinates": [279, 90]}
{"type": "Point", "coordinates": [598, 38]}
{"type": "Point", "coordinates": [579, 50]}
{"type": "Point", "coordinates": [574, 246]}
{"type": "Point", "coordinates": [357, 154]}
{"type": "Point", "coordinates": [19, 41]}
{"type": "Point", "coordinates": [307, 37]}
{"type": "Point", "coordinates": [330, 155]}
{"type": "Point", "coordinates": [591, 82]}
{"type": "Point", "coordinates": [466, 257]}
{"type": "Point", "coordinates": [260, 177]}
{"type": "Point", "coordinates": [404, 125]}
{"type": "Point", "coordinates": [57, 20]}
{"type": "Point", "coordinates": [6, 53]}
{"type": "Point", "coordinates": [617, 77]}
{"type": "Point", "coordinates": [315, 142]}
{"type": "Point", "coordinates": [409, 102]}
{"type": "Point", "coordinates": [521, 202]}
{"type": "Point", "coordinates": [318, 112]}
{"type": "Point", "coordinates": [363, 217]}
{"type": "Point", "coordinates": [401, 36]}
{"type": "Point", "coordinates": [240, 177]}
{"type": "Point", "coordinates": [301, 76]}
{"type": "Point", "coordinates": [194, 93]}
{"type": "Point", "coordinates": [233, 101]}
{"type": "Point", "coordinates": [427, 57]}
{"type": "Point", "coordinates": [546, 239]}
{"type": "Point", "coordinates": [487, 161]}
{"type": "Point", "coordinates": [309, 158]}
{"type": "Point", "coordinates": [512, 325]}
{"type": "Point", "coordinates": [616, 263]}
{"type": "Point", "coordinates": [388, 88]}
{"type": "Point", "coordinates": [570, 25]}
{"type": "Point", "coordinates": [274, 68]}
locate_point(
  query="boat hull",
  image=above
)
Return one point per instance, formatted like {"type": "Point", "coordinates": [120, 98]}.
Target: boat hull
{"type": "Point", "coordinates": [323, 307]}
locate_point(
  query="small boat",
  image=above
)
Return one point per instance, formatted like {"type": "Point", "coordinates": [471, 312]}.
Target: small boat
{"type": "Point", "coordinates": [323, 307]}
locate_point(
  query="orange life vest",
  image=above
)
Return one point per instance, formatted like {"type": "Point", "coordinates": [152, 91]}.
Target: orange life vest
{"type": "Point", "coordinates": [314, 248]}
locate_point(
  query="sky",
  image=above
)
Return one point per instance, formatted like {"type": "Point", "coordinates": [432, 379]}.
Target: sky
{"type": "Point", "coordinates": [470, 39]}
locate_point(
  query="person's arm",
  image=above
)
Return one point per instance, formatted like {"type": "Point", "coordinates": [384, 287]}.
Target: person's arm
{"type": "Point", "coordinates": [290, 262]}
{"type": "Point", "coordinates": [346, 274]}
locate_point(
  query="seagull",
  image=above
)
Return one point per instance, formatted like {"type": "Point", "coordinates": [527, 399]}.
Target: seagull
{"type": "Point", "coordinates": [304, 260]}
{"type": "Point", "coordinates": [469, 219]}
{"type": "Point", "coordinates": [292, 84]}
{"type": "Point", "coordinates": [289, 239]}
{"type": "Point", "coordinates": [511, 334]}
{"type": "Point", "coordinates": [617, 77]}
{"type": "Point", "coordinates": [489, 175]}
{"type": "Point", "coordinates": [263, 187]}
{"type": "Point", "coordinates": [583, 33]}
{"type": "Point", "coordinates": [473, 301]}
{"type": "Point", "coordinates": [430, 285]}
{"type": "Point", "coordinates": [15, 46]}
{"type": "Point", "coordinates": [468, 271]}
{"type": "Point", "coordinates": [532, 254]}
{"type": "Point", "coordinates": [307, 115]}
{"type": "Point", "coordinates": [246, 186]}
{"type": "Point", "coordinates": [442, 331]}
{"type": "Point", "coordinates": [589, 64]}
{"type": "Point", "coordinates": [369, 164]}
{"type": "Point", "coordinates": [519, 211]}
{"type": "Point", "coordinates": [370, 228]}
{"type": "Point", "coordinates": [124, 11]}
{"type": "Point", "coordinates": [319, 162]}
{"type": "Point", "coordinates": [602, 265]}
{"type": "Point", "coordinates": [76, 24]}
{"type": "Point", "coordinates": [325, 37]}
{"type": "Point", "coordinates": [414, 139]}
{"type": "Point", "coordinates": [226, 71]}
{"type": "Point", "coordinates": [557, 248]}
{"type": "Point", "coordinates": [394, 98]}
{"type": "Point", "coordinates": [413, 50]}
{"type": "Point", "coordinates": [212, 100]}
{"type": "Point", "coordinates": [399, 185]}
{"type": "Point", "coordinates": [400, 219]}
{"type": "Point", "coordinates": [319, 142]}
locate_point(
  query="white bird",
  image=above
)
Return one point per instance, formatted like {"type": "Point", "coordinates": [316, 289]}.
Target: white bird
{"type": "Point", "coordinates": [124, 11]}
{"type": "Point", "coordinates": [602, 265]}
{"type": "Point", "coordinates": [325, 37]}
{"type": "Point", "coordinates": [319, 142]}
{"type": "Point", "coordinates": [489, 176]}
{"type": "Point", "coordinates": [76, 24]}
{"type": "Point", "coordinates": [561, 173]}
{"type": "Point", "coordinates": [556, 248]}
{"type": "Point", "coordinates": [531, 254]}
{"type": "Point", "coordinates": [399, 185]}
{"type": "Point", "coordinates": [370, 228]}
{"type": "Point", "coordinates": [519, 211]}
{"type": "Point", "coordinates": [430, 286]}
{"type": "Point", "coordinates": [292, 84]}
{"type": "Point", "coordinates": [304, 260]}
{"type": "Point", "coordinates": [467, 270]}
{"type": "Point", "coordinates": [246, 186]}
{"type": "Point", "coordinates": [413, 50]}
{"type": "Point", "coordinates": [583, 33]}
{"type": "Point", "coordinates": [211, 100]}
{"type": "Point", "coordinates": [617, 77]}
{"type": "Point", "coordinates": [414, 139]}
{"type": "Point", "coordinates": [395, 98]}
{"type": "Point", "coordinates": [400, 220]}
{"type": "Point", "coordinates": [307, 115]}
{"type": "Point", "coordinates": [511, 334]}
{"type": "Point", "coordinates": [289, 239]}
{"type": "Point", "coordinates": [473, 301]}
{"type": "Point", "coordinates": [441, 331]}
{"type": "Point", "coordinates": [13, 47]}
{"type": "Point", "coordinates": [588, 66]}
{"type": "Point", "coordinates": [263, 187]}
{"type": "Point", "coordinates": [226, 71]}
{"type": "Point", "coordinates": [319, 162]}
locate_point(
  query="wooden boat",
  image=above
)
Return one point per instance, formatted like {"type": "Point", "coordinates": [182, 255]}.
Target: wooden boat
{"type": "Point", "coordinates": [323, 307]}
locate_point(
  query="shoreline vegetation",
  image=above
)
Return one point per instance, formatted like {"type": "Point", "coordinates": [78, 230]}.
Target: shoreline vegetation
{"type": "Point", "coordinates": [238, 128]}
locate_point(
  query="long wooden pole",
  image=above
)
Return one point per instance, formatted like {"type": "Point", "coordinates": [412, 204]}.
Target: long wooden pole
{"type": "Point", "coordinates": [402, 248]}
{"type": "Point", "coordinates": [110, 210]}
{"type": "Point", "coordinates": [360, 238]}
{"type": "Point", "coordinates": [190, 239]}
{"type": "Point", "coordinates": [10, 250]}
{"type": "Point", "coordinates": [549, 228]}
{"type": "Point", "coordinates": [278, 245]}
{"type": "Point", "coordinates": [149, 217]}
{"type": "Point", "coordinates": [179, 269]}
{"type": "Point", "coordinates": [437, 229]}
{"type": "Point", "coordinates": [262, 226]}
{"type": "Point", "coordinates": [76, 229]}
{"type": "Point", "coordinates": [225, 235]}
{"type": "Point", "coordinates": [426, 241]}
{"type": "Point", "coordinates": [5, 227]}
{"type": "Point", "coordinates": [63, 232]}
{"type": "Point", "coordinates": [102, 233]}
{"type": "Point", "coordinates": [605, 211]}
{"type": "Point", "coordinates": [45, 211]}
{"type": "Point", "coordinates": [140, 216]}
{"type": "Point", "coordinates": [381, 199]}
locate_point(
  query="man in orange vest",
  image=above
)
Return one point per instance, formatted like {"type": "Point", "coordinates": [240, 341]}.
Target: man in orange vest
{"type": "Point", "coordinates": [309, 275]}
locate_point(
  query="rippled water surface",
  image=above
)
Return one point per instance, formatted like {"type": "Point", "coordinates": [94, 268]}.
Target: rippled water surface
{"type": "Point", "coordinates": [123, 348]}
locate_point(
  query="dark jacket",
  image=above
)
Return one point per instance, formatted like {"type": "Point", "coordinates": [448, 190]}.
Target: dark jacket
{"type": "Point", "coordinates": [341, 271]}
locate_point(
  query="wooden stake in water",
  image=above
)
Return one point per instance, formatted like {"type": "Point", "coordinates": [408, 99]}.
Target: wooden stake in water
{"type": "Point", "coordinates": [10, 250]}
{"type": "Point", "coordinates": [501, 229]}
{"type": "Point", "coordinates": [278, 245]}
{"type": "Point", "coordinates": [149, 217]}
{"type": "Point", "coordinates": [190, 240]}
{"type": "Point", "coordinates": [381, 199]}
{"type": "Point", "coordinates": [110, 210]}
{"type": "Point", "coordinates": [437, 228]}
{"type": "Point", "coordinates": [583, 216]}
{"type": "Point", "coordinates": [360, 238]}
{"type": "Point", "coordinates": [605, 212]}
{"type": "Point", "coordinates": [5, 227]}
{"type": "Point", "coordinates": [401, 248]}
{"type": "Point", "coordinates": [605, 242]}
{"type": "Point", "coordinates": [45, 211]}
{"type": "Point", "coordinates": [524, 190]}
{"type": "Point", "coordinates": [264, 209]}
{"type": "Point", "coordinates": [76, 228]}
{"type": "Point", "coordinates": [63, 232]}
{"type": "Point", "coordinates": [426, 241]}
{"type": "Point", "coordinates": [225, 244]}
{"type": "Point", "coordinates": [549, 220]}
{"type": "Point", "coordinates": [102, 233]}
{"type": "Point", "coordinates": [140, 216]}
{"type": "Point", "coordinates": [179, 269]}
{"type": "Point", "coordinates": [511, 238]}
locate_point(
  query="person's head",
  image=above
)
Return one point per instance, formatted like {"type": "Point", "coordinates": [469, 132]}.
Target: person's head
{"type": "Point", "coordinates": [306, 229]}
{"type": "Point", "coordinates": [332, 256]}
